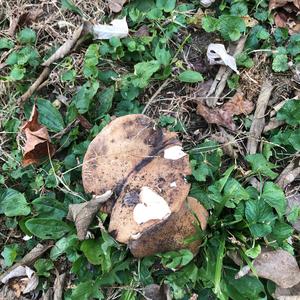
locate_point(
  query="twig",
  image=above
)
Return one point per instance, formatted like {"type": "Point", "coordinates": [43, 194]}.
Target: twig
{"type": "Point", "coordinates": [290, 173]}
{"type": "Point", "coordinates": [273, 123]}
{"type": "Point", "coordinates": [165, 83]}
{"type": "Point", "coordinates": [221, 78]}
{"type": "Point", "coordinates": [35, 85]}
{"type": "Point", "coordinates": [258, 123]}
{"type": "Point", "coordinates": [59, 286]}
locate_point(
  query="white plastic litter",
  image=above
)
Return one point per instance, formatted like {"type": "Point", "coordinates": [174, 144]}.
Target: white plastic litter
{"type": "Point", "coordinates": [117, 28]}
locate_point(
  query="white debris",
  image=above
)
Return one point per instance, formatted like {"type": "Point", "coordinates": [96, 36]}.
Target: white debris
{"type": "Point", "coordinates": [117, 28]}
{"type": "Point", "coordinates": [135, 236]}
{"type": "Point", "coordinates": [23, 271]}
{"type": "Point", "coordinates": [207, 3]}
{"type": "Point", "coordinates": [152, 207]}
{"type": "Point", "coordinates": [174, 153]}
{"type": "Point", "coordinates": [173, 184]}
{"type": "Point", "coordinates": [217, 55]}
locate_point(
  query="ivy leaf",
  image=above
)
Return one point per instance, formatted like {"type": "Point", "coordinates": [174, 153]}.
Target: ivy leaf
{"type": "Point", "coordinates": [10, 253]}
{"type": "Point", "coordinates": [42, 267]}
{"type": "Point", "coordinates": [190, 76]}
{"type": "Point", "coordinates": [231, 27]}
{"type": "Point", "coordinates": [280, 60]}
{"type": "Point", "coordinates": [274, 196]}
{"type": "Point", "coordinates": [13, 203]}
{"type": "Point", "coordinates": [50, 116]}
{"type": "Point", "coordinates": [105, 99]}
{"type": "Point", "coordinates": [239, 9]}
{"type": "Point", "coordinates": [92, 251]}
{"type": "Point", "coordinates": [290, 112]}
{"type": "Point", "coordinates": [6, 43]}
{"type": "Point", "coordinates": [64, 245]}
{"type": "Point", "coordinates": [166, 5]}
{"type": "Point", "coordinates": [46, 229]}
{"type": "Point", "coordinates": [26, 36]}
{"type": "Point", "coordinates": [260, 165]}
{"type": "Point", "coordinates": [85, 95]}
{"type": "Point", "coordinates": [17, 73]}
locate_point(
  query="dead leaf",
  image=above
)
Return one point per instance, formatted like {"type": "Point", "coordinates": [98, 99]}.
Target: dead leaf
{"type": "Point", "coordinates": [142, 31]}
{"type": "Point", "coordinates": [22, 280]}
{"type": "Point", "coordinates": [279, 3]}
{"type": "Point", "coordinates": [217, 55]}
{"type": "Point", "coordinates": [82, 214]}
{"type": "Point", "coordinates": [294, 201]}
{"type": "Point", "coordinates": [117, 28]}
{"type": "Point", "coordinates": [279, 266]}
{"type": "Point", "coordinates": [292, 293]}
{"type": "Point", "coordinates": [249, 21]}
{"type": "Point", "coordinates": [38, 145]}
{"type": "Point", "coordinates": [59, 284]}
{"type": "Point", "coordinates": [237, 105]}
{"type": "Point", "coordinates": [116, 5]}
{"type": "Point", "coordinates": [156, 292]}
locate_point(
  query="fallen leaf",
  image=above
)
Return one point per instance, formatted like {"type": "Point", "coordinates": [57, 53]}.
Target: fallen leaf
{"type": "Point", "coordinates": [237, 105]}
{"type": "Point", "coordinates": [38, 145]}
{"type": "Point", "coordinates": [142, 31]}
{"type": "Point", "coordinates": [156, 292]}
{"type": "Point", "coordinates": [117, 28]}
{"type": "Point", "coordinates": [174, 153]}
{"type": "Point", "coordinates": [279, 3]}
{"type": "Point", "coordinates": [26, 281]}
{"type": "Point", "coordinates": [249, 21]}
{"type": "Point", "coordinates": [82, 214]}
{"type": "Point", "coordinates": [59, 284]}
{"type": "Point", "coordinates": [217, 55]}
{"type": "Point", "coordinates": [116, 5]}
{"type": "Point", "coordinates": [292, 293]}
{"type": "Point", "coordinates": [279, 266]}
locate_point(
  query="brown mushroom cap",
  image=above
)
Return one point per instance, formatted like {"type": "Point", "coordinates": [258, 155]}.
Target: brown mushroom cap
{"type": "Point", "coordinates": [126, 155]}
{"type": "Point", "coordinates": [172, 232]}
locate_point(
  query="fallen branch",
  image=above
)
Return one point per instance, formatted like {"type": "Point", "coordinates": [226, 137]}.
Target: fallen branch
{"type": "Point", "coordinates": [222, 76]}
{"type": "Point", "coordinates": [258, 123]}
{"type": "Point", "coordinates": [28, 259]}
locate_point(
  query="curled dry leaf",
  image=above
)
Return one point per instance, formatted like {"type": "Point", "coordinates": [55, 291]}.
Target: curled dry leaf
{"type": "Point", "coordinates": [38, 145]}
{"type": "Point", "coordinates": [217, 55]}
{"type": "Point", "coordinates": [116, 5]}
{"type": "Point", "coordinates": [82, 214]}
{"type": "Point", "coordinates": [117, 28]}
{"type": "Point", "coordinates": [279, 266]}
{"type": "Point", "coordinates": [25, 280]}
{"type": "Point", "coordinates": [127, 157]}
{"type": "Point", "coordinates": [237, 105]}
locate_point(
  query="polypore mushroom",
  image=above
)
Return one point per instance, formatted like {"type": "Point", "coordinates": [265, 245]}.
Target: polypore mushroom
{"type": "Point", "coordinates": [146, 169]}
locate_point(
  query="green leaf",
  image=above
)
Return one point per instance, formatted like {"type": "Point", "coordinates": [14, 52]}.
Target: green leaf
{"type": "Point", "coordinates": [42, 267]}
{"type": "Point", "coordinates": [210, 24]}
{"type": "Point", "coordinates": [6, 43]}
{"type": "Point", "coordinates": [69, 5]}
{"type": "Point", "coordinates": [50, 116]}
{"type": "Point", "coordinates": [64, 245]}
{"type": "Point", "coordinates": [10, 253]}
{"type": "Point", "coordinates": [234, 191]}
{"type": "Point", "coordinates": [143, 72]}
{"type": "Point", "coordinates": [46, 229]}
{"type": "Point", "coordinates": [86, 291]}
{"type": "Point", "coordinates": [91, 59]}
{"type": "Point", "coordinates": [253, 252]}
{"type": "Point", "coordinates": [17, 73]}
{"type": "Point", "coordinates": [290, 112]}
{"type": "Point", "coordinates": [105, 99]}
{"type": "Point", "coordinates": [68, 75]}
{"type": "Point", "coordinates": [274, 196]}
{"type": "Point", "coordinates": [281, 232]}
{"type": "Point", "coordinates": [26, 36]}
{"type": "Point", "coordinates": [280, 63]}
{"type": "Point", "coordinates": [92, 251]}
{"type": "Point", "coordinates": [13, 203]}
{"type": "Point", "coordinates": [239, 9]}
{"type": "Point", "coordinates": [231, 27]}
{"type": "Point", "coordinates": [244, 60]}
{"type": "Point", "coordinates": [260, 165]}
{"type": "Point", "coordinates": [48, 207]}
{"type": "Point", "coordinates": [166, 5]}
{"type": "Point", "coordinates": [85, 95]}
{"type": "Point", "coordinates": [190, 76]}
{"type": "Point", "coordinates": [175, 259]}
{"type": "Point", "coordinates": [162, 55]}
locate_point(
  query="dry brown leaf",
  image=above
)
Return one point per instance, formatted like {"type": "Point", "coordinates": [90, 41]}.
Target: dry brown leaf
{"type": "Point", "coordinates": [116, 5]}
{"type": "Point", "coordinates": [237, 105]}
{"type": "Point", "coordinates": [142, 31]}
{"type": "Point", "coordinates": [82, 214]}
{"type": "Point", "coordinates": [38, 145]}
{"type": "Point", "coordinates": [292, 293]}
{"type": "Point", "coordinates": [279, 3]}
{"type": "Point", "coordinates": [279, 266]}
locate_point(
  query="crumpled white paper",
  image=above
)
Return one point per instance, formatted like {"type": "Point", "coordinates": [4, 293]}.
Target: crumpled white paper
{"type": "Point", "coordinates": [207, 3]}
{"type": "Point", "coordinates": [217, 55]}
{"type": "Point", "coordinates": [117, 28]}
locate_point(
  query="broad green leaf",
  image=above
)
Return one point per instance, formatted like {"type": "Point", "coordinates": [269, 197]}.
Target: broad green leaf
{"type": "Point", "coordinates": [10, 254]}
{"type": "Point", "coordinates": [166, 5]}
{"type": "Point", "coordinates": [17, 73]}
{"type": "Point", "coordinates": [26, 36]}
{"type": "Point", "coordinates": [85, 95]}
{"type": "Point", "coordinates": [290, 112]}
{"type": "Point", "coordinates": [68, 4]}
{"type": "Point", "coordinates": [231, 27]}
{"type": "Point", "coordinates": [46, 229]}
{"type": "Point", "coordinates": [253, 252]}
{"type": "Point", "coordinates": [260, 165]}
{"type": "Point", "coordinates": [13, 204]}
{"type": "Point", "coordinates": [92, 251]}
{"type": "Point", "coordinates": [281, 231]}
{"type": "Point", "coordinates": [105, 99]}
{"type": "Point", "coordinates": [50, 116]}
{"type": "Point", "coordinates": [42, 267]}
{"type": "Point", "coordinates": [234, 191]}
{"type": "Point", "coordinates": [47, 207]}
{"type": "Point", "coordinates": [210, 24]}
{"type": "Point", "coordinates": [280, 63]}
{"type": "Point", "coordinates": [64, 245]}
{"type": "Point", "coordinates": [175, 259]}
{"type": "Point", "coordinates": [239, 9]}
{"type": "Point", "coordinates": [190, 76]}
{"type": "Point", "coordinates": [143, 72]}
{"type": "Point", "coordinates": [6, 43]}
{"type": "Point", "coordinates": [274, 196]}
{"type": "Point", "coordinates": [68, 75]}
{"type": "Point", "coordinates": [162, 55]}
{"type": "Point", "coordinates": [86, 291]}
